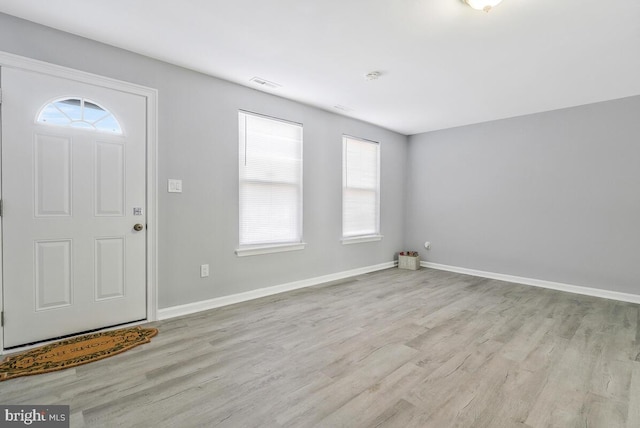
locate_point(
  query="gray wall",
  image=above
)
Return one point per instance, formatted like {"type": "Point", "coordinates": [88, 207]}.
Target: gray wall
{"type": "Point", "coordinates": [552, 196]}
{"type": "Point", "coordinates": [198, 143]}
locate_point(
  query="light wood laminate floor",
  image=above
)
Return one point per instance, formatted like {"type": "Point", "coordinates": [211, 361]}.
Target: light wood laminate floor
{"type": "Point", "coordinates": [394, 348]}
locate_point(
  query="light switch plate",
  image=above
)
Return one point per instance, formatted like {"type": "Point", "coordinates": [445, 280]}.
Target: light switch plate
{"type": "Point", "coordinates": [174, 186]}
{"type": "Point", "coordinates": [204, 271]}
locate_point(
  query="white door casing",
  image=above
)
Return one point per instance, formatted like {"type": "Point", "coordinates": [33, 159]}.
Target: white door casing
{"type": "Point", "coordinates": [71, 258]}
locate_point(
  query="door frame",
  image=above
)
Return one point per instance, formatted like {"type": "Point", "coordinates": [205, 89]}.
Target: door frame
{"type": "Point", "coordinates": [8, 60]}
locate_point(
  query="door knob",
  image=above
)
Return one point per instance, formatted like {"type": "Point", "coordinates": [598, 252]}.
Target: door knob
{"type": "Point", "coordinates": [138, 227]}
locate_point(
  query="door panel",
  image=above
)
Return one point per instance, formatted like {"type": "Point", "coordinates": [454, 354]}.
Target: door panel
{"type": "Point", "coordinates": [53, 272]}
{"type": "Point", "coordinates": [71, 259]}
{"type": "Point", "coordinates": [110, 179]}
{"type": "Point", "coordinates": [52, 191]}
{"type": "Point", "coordinates": [110, 260]}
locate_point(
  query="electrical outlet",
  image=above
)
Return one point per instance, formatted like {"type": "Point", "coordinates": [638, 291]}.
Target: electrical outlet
{"type": "Point", "coordinates": [204, 271]}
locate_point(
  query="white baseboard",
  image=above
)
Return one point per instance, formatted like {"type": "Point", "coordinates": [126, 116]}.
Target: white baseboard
{"type": "Point", "coordinates": [587, 291]}
{"type": "Point", "coordinates": [190, 308]}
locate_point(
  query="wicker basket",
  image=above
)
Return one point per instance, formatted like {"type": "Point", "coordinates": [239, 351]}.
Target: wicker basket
{"type": "Point", "coordinates": [409, 262]}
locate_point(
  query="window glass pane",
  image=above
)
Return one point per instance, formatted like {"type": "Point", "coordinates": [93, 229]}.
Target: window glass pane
{"type": "Point", "coordinates": [360, 218]}
{"type": "Point", "coordinates": [269, 213]}
{"type": "Point", "coordinates": [70, 107]}
{"type": "Point", "coordinates": [268, 168]}
{"type": "Point", "coordinates": [80, 114]}
{"type": "Point", "coordinates": [93, 112]}
{"type": "Point", "coordinates": [52, 116]}
{"type": "Point", "coordinates": [362, 164]}
{"type": "Point", "coordinates": [361, 188]}
{"type": "Point", "coordinates": [270, 178]}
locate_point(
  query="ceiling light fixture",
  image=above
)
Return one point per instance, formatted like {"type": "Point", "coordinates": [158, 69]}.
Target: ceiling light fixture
{"type": "Point", "coordinates": [484, 5]}
{"type": "Point", "coordinates": [374, 75]}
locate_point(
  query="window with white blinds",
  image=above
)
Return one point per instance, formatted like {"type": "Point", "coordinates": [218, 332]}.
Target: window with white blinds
{"type": "Point", "coordinates": [270, 181]}
{"type": "Point", "coordinates": [360, 188]}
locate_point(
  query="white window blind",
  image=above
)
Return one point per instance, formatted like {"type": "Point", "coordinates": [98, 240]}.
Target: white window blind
{"type": "Point", "coordinates": [360, 187]}
{"type": "Point", "coordinates": [270, 181]}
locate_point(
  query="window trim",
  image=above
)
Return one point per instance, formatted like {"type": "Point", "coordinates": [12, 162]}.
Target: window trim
{"type": "Point", "coordinates": [361, 239]}
{"type": "Point", "coordinates": [255, 250]}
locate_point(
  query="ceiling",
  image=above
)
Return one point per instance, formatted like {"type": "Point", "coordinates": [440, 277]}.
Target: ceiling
{"type": "Point", "coordinates": [442, 63]}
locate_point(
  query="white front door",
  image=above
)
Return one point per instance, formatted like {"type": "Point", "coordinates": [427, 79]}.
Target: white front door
{"type": "Point", "coordinates": [73, 187]}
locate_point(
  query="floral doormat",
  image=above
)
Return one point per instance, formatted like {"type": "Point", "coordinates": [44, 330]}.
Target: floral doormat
{"type": "Point", "coordinates": [74, 352]}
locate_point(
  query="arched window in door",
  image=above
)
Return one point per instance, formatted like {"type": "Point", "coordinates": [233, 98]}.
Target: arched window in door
{"type": "Point", "coordinates": [79, 113]}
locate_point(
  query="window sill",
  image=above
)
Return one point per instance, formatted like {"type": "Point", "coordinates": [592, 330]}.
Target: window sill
{"type": "Point", "coordinates": [361, 239]}
{"type": "Point", "coordinates": [268, 249]}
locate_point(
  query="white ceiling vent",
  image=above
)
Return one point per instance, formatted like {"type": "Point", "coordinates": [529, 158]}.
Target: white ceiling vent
{"type": "Point", "coordinates": [266, 83]}
{"type": "Point", "coordinates": [343, 108]}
